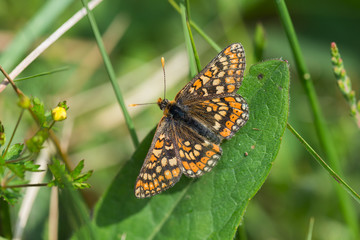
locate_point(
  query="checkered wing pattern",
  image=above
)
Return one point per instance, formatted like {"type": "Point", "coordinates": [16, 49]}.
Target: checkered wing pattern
{"type": "Point", "coordinates": [160, 170]}
{"type": "Point", "coordinates": [224, 116]}
{"type": "Point", "coordinates": [197, 154]}
{"type": "Point", "coordinates": [221, 77]}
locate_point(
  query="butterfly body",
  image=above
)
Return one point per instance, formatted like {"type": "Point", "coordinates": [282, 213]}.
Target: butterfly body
{"type": "Point", "coordinates": [179, 113]}
{"type": "Point", "coordinates": [204, 113]}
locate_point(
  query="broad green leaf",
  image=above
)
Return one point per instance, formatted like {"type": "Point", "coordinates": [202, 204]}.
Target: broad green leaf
{"type": "Point", "coordinates": [212, 206]}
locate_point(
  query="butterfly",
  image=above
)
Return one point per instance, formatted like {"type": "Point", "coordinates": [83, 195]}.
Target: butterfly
{"type": "Point", "coordinates": [204, 113]}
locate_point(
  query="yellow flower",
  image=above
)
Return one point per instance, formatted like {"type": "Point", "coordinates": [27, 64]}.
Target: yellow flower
{"type": "Point", "coordinates": [59, 113]}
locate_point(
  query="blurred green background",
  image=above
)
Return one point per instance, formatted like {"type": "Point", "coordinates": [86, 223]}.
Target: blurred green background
{"type": "Point", "coordinates": [137, 34]}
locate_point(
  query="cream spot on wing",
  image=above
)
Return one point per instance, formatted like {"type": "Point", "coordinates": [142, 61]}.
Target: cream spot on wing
{"type": "Point", "coordinates": [221, 74]}
{"type": "Point", "coordinates": [223, 60]}
{"type": "Point", "coordinates": [198, 147]}
{"type": "Point", "coordinates": [172, 162]}
{"type": "Point", "coordinates": [169, 147]}
{"type": "Point", "coordinates": [219, 89]}
{"type": "Point", "coordinates": [157, 152]}
{"type": "Point", "coordinates": [163, 162]}
{"type": "Point", "coordinates": [204, 79]}
{"type": "Point", "coordinates": [216, 82]}
{"type": "Point", "coordinates": [217, 117]}
{"type": "Point", "coordinates": [222, 113]}
{"type": "Point", "coordinates": [205, 92]}
{"type": "Point", "coordinates": [217, 126]}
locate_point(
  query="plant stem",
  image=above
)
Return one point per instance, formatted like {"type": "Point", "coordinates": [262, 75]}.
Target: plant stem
{"type": "Point", "coordinates": [42, 74]}
{"type": "Point", "coordinates": [51, 125]}
{"type": "Point", "coordinates": [320, 125]}
{"type": "Point", "coordinates": [27, 185]}
{"type": "Point", "coordinates": [190, 51]}
{"type": "Point", "coordinates": [195, 53]}
{"type": "Point", "coordinates": [17, 160]}
{"type": "Point", "coordinates": [16, 89]}
{"type": "Point", "coordinates": [111, 73]}
{"type": "Point", "coordinates": [316, 156]}
{"type": "Point", "coordinates": [212, 43]}
{"type": "Point", "coordinates": [311, 227]}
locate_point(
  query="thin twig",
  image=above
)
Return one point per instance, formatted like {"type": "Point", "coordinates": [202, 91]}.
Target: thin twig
{"type": "Point", "coordinates": [26, 185]}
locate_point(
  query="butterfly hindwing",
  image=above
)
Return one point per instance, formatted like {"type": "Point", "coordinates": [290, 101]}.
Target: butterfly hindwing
{"type": "Point", "coordinates": [196, 153]}
{"type": "Point", "coordinates": [224, 116]}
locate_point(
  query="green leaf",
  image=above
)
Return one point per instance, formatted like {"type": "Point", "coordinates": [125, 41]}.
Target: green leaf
{"type": "Point", "coordinates": [77, 170]}
{"type": "Point", "coordinates": [10, 195]}
{"type": "Point", "coordinates": [74, 177]}
{"type": "Point", "coordinates": [38, 109]}
{"type": "Point", "coordinates": [58, 172]}
{"type": "Point", "coordinates": [19, 168]}
{"type": "Point", "coordinates": [14, 151]}
{"type": "Point", "coordinates": [212, 206]}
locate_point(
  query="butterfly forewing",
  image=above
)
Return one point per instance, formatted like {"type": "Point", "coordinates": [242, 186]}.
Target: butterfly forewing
{"type": "Point", "coordinates": [221, 77]}
{"type": "Point", "coordinates": [160, 170]}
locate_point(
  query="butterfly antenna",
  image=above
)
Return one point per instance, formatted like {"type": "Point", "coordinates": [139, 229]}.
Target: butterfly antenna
{"type": "Point", "coordinates": [140, 104]}
{"type": "Point", "coordinates": [163, 67]}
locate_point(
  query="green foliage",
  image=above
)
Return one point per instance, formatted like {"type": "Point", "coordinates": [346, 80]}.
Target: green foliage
{"type": "Point", "coordinates": [14, 164]}
{"type": "Point", "coordinates": [75, 177]}
{"type": "Point", "coordinates": [13, 152]}
{"type": "Point", "coordinates": [35, 143]}
{"type": "Point", "coordinates": [212, 206]}
{"type": "Point", "coordinates": [12, 172]}
{"type": "Point", "coordinates": [38, 110]}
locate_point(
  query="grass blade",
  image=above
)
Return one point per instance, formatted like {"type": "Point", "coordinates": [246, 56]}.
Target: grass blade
{"type": "Point", "coordinates": [112, 76]}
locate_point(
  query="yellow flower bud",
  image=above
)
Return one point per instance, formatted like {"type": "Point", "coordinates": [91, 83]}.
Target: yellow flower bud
{"type": "Point", "coordinates": [59, 113]}
{"type": "Point", "coordinates": [24, 101]}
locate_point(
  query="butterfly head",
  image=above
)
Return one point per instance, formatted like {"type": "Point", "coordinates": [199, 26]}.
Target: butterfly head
{"type": "Point", "coordinates": [162, 103]}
